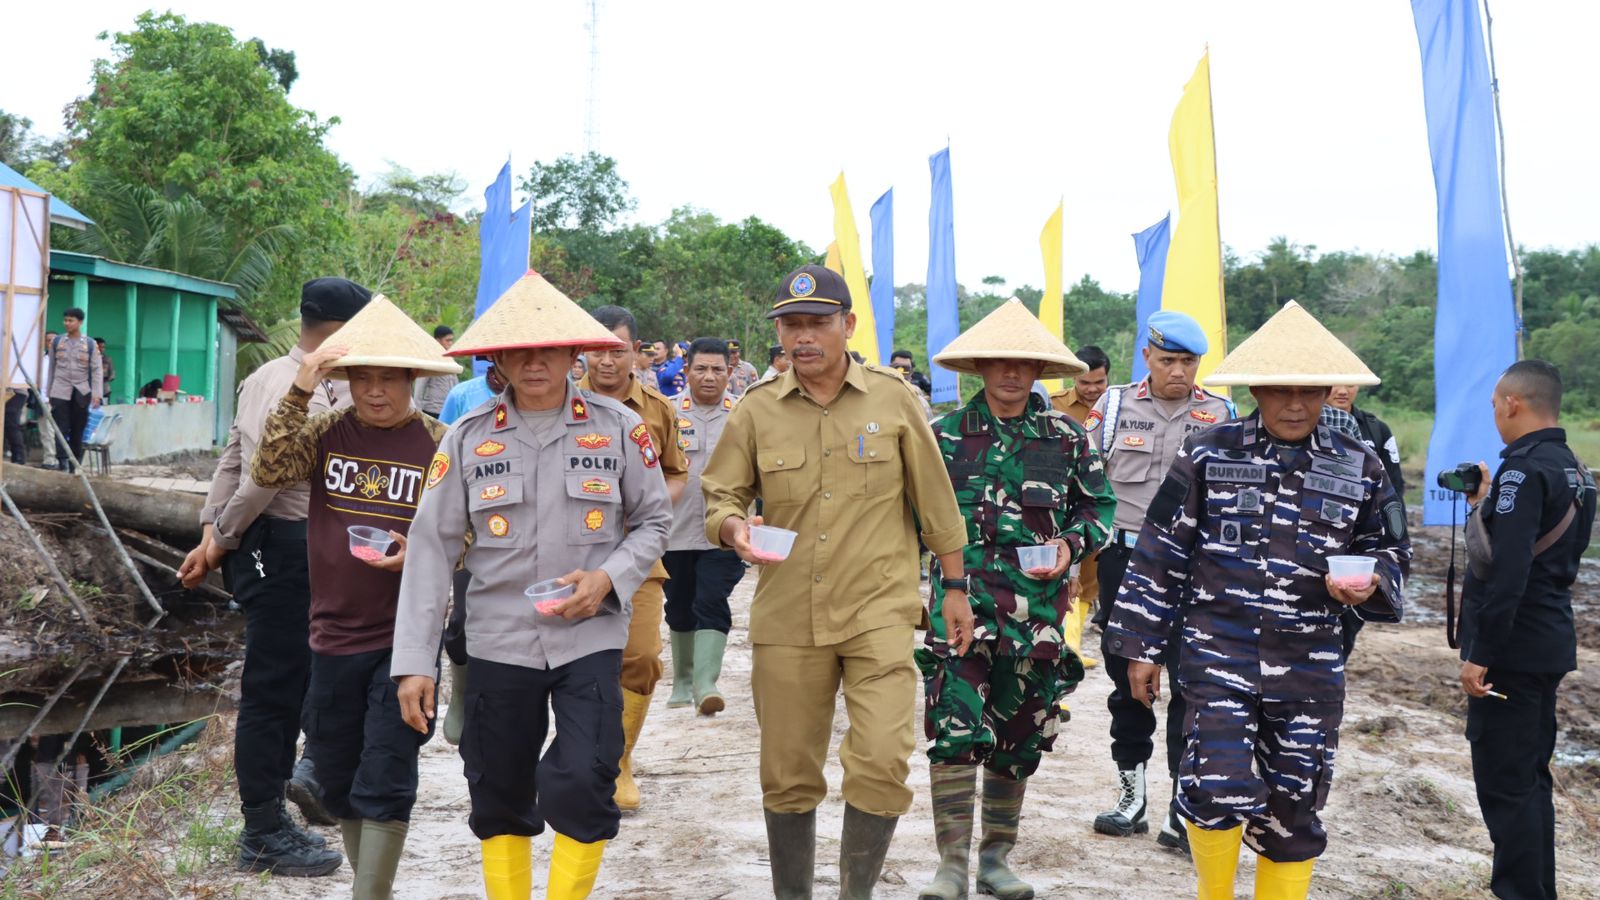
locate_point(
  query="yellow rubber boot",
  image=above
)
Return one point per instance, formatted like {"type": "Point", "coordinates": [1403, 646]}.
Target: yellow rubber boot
{"type": "Point", "coordinates": [573, 868]}
{"type": "Point", "coordinates": [508, 867]}
{"type": "Point", "coordinates": [1080, 612]}
{"type": "Point", "coordinates": [1283, 881]}
{"type": "Point", "coordinates": [634, 708]}
{"type": "Point", "coordinates": [1216, 859]}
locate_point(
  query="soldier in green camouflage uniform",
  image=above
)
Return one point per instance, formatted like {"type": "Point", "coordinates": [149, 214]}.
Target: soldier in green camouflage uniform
{"type": "Point", "coordinates": [1024, 475]}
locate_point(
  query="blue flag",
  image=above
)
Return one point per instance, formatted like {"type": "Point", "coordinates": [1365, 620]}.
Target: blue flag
{"type": "Point", "coordinates": [503, 238]}
{"type": "Point", "coordinates": [944, 320]}
{"type": "Point", "coordinates": [1475, 330]}
{"type": "Point", "coordinates": [883, 272]}
{"type": "Point", "coordinates": [1150, 247]}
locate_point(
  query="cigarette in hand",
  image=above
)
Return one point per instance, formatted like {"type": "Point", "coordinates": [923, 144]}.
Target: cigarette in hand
{"type": "Point", "coordinates": [1496, 694]}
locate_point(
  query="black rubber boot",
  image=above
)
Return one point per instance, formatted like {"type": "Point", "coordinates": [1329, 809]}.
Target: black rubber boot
{"type": "Point", "coordinates": [862, 847]}
{"type": "Point", "coordinates": [306, 793]}
{"type": "Point", "coordinates": [265, 845]}
{"type": "Point", "coordinates": [792, 849]}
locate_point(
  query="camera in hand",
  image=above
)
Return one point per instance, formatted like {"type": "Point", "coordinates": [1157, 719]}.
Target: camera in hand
{"type": "Point", "coordinates": [1463, 479]}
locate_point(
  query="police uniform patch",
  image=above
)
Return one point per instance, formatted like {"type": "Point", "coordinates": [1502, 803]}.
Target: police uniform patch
{"type": "Point", "coordinates": [500, 416]}
{"type": "Point", "coordinates": [597, 486]}
{"type": "Point", "coordinates": [489, 448]}
{"type": "Point", "coordinates": [594, 519]}
{"type": "Point", "coordinates": [1092, 422]}
{"type": "Point", "coordinates": [499, 526]}
{"type": "Point", "coordinates": [1133, 440]}
{"type": "Point", "coordinates": [872, 428]}
{"type": "Point", "coordinates": [803, 285]}
{"type": "Point", "coordinates": [492, 492]}
{"type": "Point", "coordinates": [1507, 500]}
{"type": "Point", "coordinates": [580, 410]}
{"type": "Point", "coordinates": [684, 423]}
{"type": "Point", "coordinates": [593, 441]}
{"type": "Point", "coordinates": [647, 449]}
{"type": "Point", "coordinates": [1200, 415]}
{"type": "Point", "coordinates": [437, 468]}
{"type": "Point", "coordinates": [727, 403]}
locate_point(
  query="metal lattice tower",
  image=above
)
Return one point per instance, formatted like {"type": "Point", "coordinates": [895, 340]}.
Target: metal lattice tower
{"type": "Point", "coordinates": [594, 77]}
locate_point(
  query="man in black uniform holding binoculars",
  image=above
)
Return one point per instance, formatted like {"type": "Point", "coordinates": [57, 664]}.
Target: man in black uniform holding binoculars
{"type": "Point", "coordinates": [1527, 531]}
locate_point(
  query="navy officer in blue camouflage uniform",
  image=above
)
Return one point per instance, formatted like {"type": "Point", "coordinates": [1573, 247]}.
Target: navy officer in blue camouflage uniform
{"type": "Point", "coordinates": [1236, 543]}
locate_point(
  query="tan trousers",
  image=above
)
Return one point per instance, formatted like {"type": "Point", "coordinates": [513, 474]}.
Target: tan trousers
{"type": "Point", "coordinates": [641, 659]}
{"type": "Point", "coordinates": [795, 690]}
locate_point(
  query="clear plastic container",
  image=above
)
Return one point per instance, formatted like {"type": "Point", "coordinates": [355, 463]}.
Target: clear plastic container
{"type": "Point", "coordinates": [369, 544]}
{"type": "Point", "coordinates": [549, 594]}
{"type": "Point", "coordinates": [1352, 572]}
{"type": "Point", "coordinates": [771, 544]}
{"type": "Point", "coordinates": [1038, 559]}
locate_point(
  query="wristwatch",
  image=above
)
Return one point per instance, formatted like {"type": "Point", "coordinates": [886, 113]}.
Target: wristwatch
{"type": "Point", "coordinates": [954, 584]}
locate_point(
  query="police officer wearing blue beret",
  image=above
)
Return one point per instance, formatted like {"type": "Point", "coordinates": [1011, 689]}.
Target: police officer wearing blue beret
{"type": "Point", "coordinates": [1137, 428]}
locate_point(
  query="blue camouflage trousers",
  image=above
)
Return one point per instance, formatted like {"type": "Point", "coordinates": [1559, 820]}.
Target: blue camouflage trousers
{"type": "Point", "coordinates": [1264, 763]}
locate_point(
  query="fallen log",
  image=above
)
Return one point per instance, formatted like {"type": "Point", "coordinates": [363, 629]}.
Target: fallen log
{"type": "Point", "coordinates": [171, 514]}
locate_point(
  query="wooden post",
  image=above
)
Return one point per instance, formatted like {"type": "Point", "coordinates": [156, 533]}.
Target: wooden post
{"type": "Point", "coordinates": [172, 346]}
{"type": "Point", "coordinates": [130, 361]}
{"type": "Point", "coordinates": [211, 348]}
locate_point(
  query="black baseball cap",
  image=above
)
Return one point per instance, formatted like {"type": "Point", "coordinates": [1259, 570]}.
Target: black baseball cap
{"type": "Point", "coordinates": [332, 299]}
{"type": "Point", "coordinates": [811, 291]}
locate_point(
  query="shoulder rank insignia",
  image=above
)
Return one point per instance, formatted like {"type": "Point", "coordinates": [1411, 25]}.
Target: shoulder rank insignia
{"type": "Point", "coordinates": [489, 448]}
{"type": "Point", "coordinates": [1200, 415]}
{"type": "Point", "coordinates": [1133, 440]}
{"type": "Point", "coordinates": [727, 403]}
{"type": "Point", "coordinates": [686, 404]}
{"type": "Point", "coordinates": [1199, 394]}
{"type": "Point", "coordinates": [1144, 390]}
{"type": "Point", "coordinates": [500, 416]}
{"type": "Point", "coordinates": [593, 441]}
{"type": "Point", "coordinates": [438, 468]}
{"type": "Point", "coordinates": [580, 410]}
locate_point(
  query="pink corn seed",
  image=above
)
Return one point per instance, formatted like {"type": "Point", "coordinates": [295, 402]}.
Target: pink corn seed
{"type": "Point", "coordinates": [368, 554]}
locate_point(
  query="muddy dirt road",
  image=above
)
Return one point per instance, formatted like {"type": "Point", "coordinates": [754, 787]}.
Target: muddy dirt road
{"type": "Point", "coordinates": [1403, 818]}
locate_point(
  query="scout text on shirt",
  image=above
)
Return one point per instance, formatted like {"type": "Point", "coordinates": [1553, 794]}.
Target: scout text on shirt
{"type": "Point", "coordinates": [372, 487]}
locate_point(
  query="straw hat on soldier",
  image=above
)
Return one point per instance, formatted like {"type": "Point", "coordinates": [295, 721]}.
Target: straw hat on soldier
{"type": "Point", "coordinates": [1291, 349]}
{"type": "Point", "coordinates": [381, 335]}
{"type": "Point", "coordinates": [533, 313]}
{"type": "Point", "coordinates": [1010, 332]}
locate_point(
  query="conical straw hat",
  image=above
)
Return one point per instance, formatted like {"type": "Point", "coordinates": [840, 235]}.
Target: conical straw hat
{"type": "Point", "coordinates": [533, 313]}
{"type": "Point", "coordinates": [381, 335]}
{"type": "Point", "coordinates": [1010, 332]}
{"type": "Point", "coordinates": [1292, 348]}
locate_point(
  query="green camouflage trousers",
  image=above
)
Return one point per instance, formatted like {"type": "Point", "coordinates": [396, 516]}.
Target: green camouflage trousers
{"type": "Point", "coordinates": [1000, 711]}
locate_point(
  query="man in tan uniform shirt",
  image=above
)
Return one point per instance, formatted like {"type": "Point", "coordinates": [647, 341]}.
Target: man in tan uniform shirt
{"type": "Point", "coordinates": [611, 373]}
{"type": "Point", "coordinates": [1078, 401]}
{"type": "Point", "coordinates": [838, 452]}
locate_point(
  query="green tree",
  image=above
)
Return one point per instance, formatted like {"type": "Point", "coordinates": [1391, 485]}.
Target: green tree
{"type": "Point", "coordinates": [187, 108]}
{"type": "Point", "coordinates": [20, 147]}
{"type": "Point", "coordinates": [577, 193]}
{"type": "Point", "coordinates": [1573, 346]}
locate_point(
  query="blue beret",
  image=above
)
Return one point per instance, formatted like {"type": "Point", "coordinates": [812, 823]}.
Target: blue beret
{"type": "Point", "coordinates": [1177, 332]}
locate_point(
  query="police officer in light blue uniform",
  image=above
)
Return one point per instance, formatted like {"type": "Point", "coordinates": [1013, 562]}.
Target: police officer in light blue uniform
{"type": "Point", "coordinates": [1137, 429]}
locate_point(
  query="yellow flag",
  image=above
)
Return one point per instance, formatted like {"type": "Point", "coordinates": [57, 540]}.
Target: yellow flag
{"type": "Point", "coordinates": [1193, 282]}
{"type": "Point", "coordinates": [848, 242]}
{"type": "Point", "coordinates": [1050, 311]}
{"type": "Point", "coordinates": [832, 262]}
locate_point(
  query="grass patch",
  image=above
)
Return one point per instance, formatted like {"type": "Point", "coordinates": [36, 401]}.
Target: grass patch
{"type": "Point", "coordinates": [157, 837]}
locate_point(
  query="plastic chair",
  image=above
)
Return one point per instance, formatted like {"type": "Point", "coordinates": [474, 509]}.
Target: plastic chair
{"type": "Point", "coordinates": [97, 448]}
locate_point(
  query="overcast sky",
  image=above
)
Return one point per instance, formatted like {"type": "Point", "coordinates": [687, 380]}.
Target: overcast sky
{"type": "Point", "coordinates": [748, 108]}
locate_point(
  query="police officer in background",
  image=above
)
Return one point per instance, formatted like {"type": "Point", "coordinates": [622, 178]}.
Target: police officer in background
{"type": "Point", "coordinates": [1517, 634]}
{"type": "Point", "coordinates": [1138, 428]}
{"type": "Point", "coordinates": [552, 483]}
{"type": "Point", "coordinates": [1078, 401]}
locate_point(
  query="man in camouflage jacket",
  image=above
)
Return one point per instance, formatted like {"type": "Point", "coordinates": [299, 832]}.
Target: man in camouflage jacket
{"type": "Point", "coordinates": [1237, 543]}
{"type": "Point", "coordinates": [1024, 475]}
